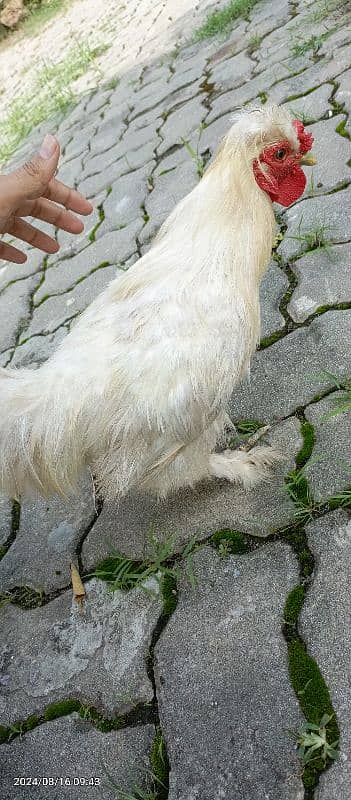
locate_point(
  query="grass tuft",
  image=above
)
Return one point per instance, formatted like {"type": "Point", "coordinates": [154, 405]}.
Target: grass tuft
{"type": "Point", "coordinates": [220, 22]}
{"type": "Point", "coordinates": [50, 95]}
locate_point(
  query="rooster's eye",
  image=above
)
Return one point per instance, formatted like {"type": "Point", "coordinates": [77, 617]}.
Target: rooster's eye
{"type": "Point", "coordinates": [280, 154]}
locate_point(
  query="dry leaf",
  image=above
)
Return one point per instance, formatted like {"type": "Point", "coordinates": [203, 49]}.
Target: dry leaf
{"type": "Point", "coordinates": [77, 585]}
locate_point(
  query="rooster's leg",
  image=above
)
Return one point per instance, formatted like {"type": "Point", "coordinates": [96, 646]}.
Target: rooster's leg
{"type": "Point", "coordinates": [248, 469]}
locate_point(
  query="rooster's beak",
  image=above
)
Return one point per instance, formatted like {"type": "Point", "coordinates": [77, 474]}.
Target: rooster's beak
{"type": "Point", "coordinates": [308, 160]}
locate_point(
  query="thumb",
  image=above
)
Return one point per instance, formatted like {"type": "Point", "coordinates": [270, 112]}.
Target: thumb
{"type": "Point", "coordinates": [30, 180]}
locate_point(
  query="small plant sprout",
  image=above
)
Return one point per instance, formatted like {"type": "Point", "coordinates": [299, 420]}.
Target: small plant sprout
{"type": "Point", "coordinates": [122, 573]}
{"type": "Point", "coordinates": [313, 744]}
{"type": "Point", "coordinates": [313, 44]}
{"type": "Point", "coordinates": [299, 492]}
{"type": "Point", "coordinates": [254, 42]}
{"type": "Point", "coordinates": [195, 155]}
{"type": "Point", "coordinates": [315, 238]}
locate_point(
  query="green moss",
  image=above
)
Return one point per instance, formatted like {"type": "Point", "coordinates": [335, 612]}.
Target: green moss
{"type": "Point", "coordinates": [160, 765]}
{"type": "Point", "coordinates": [263, 97]}
{"type": "Point", "coordinates": [341, 128]}
{"type": "Point", "coordinates": [234, 540]}
{"type": "Point", "coordinates": [268, 340]}
{"type": "Point", "coordinates": [61, 709]}
{"type": "Point", "coordinates": [308, 435]}
{"type": "Point", "coordinates": [310, 687]}
{"type": "Point", "coordinates": [294, 605]}
{"type": "Point", "coordinates": [169, 594]}
{"type": "Point", "coordinates": [314, 699]}
{"type": "Point", "coordinates": [4, 734]}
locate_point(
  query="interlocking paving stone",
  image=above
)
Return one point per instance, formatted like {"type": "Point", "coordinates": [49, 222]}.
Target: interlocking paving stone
{"type": "Point", "coordinates": [332, 152]}
{"type": "Point", "coordinates": [37, 349]}
{"type": "Point", "coordinates": [330, 468]}
{"type": "Point", "coordinates": [316, 214]}
{"type": "Point", "coordinates": [343, 94]}
{"type": "Point", "coordinates": [123, 204]}
{"type": "Point", "coordinates": [108, 134]}
{"type": "Point", "coordinates": [286, 375]}
{"type": "Point", "coordinates": [96, 655]}
{"type": "Point", "coordinates": [324, 625]}
{"type": "Point", "coordinates": [182, 124]}
{"type": "Point", "coordinates": [324, 278]}
{"type": "Point", "coordinates": [46, 542]}
{"type": "Point", "coordinates": [232, 72]}
{"type": "Point", "coordinates": [70, 245]}
{"type": "Point", "coordinates": [13, 272]}
{"type": "Point", "coordinates": [133, 141]}
{"type": "Point", "coordinates": [169, 189]}
{"type": "Point", "coordinates": [273, 287]}
{"type": "Point", "coordinates": [112, 248]}
{"type": "Point", "coordinates": [127, 525]}
{"type": "Point", "coordinates": [57, 310]}
{"type": "Point", "coordinates": [313, 106]}
{"type": "Point", "coordinates": [5, 519]}
{"type": "Point", "coordinates": [72, 748]}
{"type": "Point", "coordinates": [231, 100]}
{"type": "Point", "coordinates": [4, 357]}
{"type": "Point", "coordinates": [15, 309]}
{"type": "Point", "coordinates": [224, 696]}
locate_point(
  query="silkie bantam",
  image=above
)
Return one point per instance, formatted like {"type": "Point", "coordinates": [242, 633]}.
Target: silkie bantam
{"type": "Point", "coordinates": [139, 390]}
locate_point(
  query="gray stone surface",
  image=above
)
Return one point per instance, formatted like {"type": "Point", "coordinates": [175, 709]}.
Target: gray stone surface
{"type": "Point", "coordinates": [165, 195]}
{"type": "Point", "coordinates": [112, 248]}
{"type": "Point", "coordinates": [273, 287]}
{"type": "Point", "coordinates": [122, 207]}
{"type": "Point", "coordinates": [15, 309]}
{"type": "Point", "coordinates": [313, 106]}
{"type": "Point", "coordinates": [179, 126]}
{"type": "Point", "coordinates": [72, 748]}
{"type": "Point", "coordinates": [324, 278]}
{"type": "Point", "coordinates": [49, 534]}
{"type": "Point", "coordinates": [127, 526]}
{"type": "Point", "coordinates": [70, 245]}
{"type": "Point", "coordinates": [232, 72]}
{"type": "Point", "coordinates": [324, 625]}
{"type": "Point", "coordinates": [286, 375]}
{"type": "Point", "coordinates": [13, 272]}
{"type": "Point", "coordinates": [221, 669]}
{"type": "Point", "coordinates": [96, 655]}
{"type": "Point", "coordinates": [318, 214]}
{"type": "Point", "coordinates": [330, 468]}
{"type": "Point", "coordinates": [5, 357]}
{"type": "Point", "coordinates": [5, 519]}
{"type": "Point", "coordinates": [36, 350]}
{"type": "Point", "coordinates": [333, 153]}
{"type": "Point", "coordinates": [58, 310]}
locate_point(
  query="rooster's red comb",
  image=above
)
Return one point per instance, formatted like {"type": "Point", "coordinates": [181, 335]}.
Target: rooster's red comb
{"type": "Point", "coordinates": [305, 139]}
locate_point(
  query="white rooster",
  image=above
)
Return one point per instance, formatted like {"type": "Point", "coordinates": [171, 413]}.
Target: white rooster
{"type": "Point", "coordinates": [139, 389]}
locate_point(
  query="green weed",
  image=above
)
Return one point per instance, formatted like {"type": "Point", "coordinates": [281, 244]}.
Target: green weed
{"type": "Point", "coordinates": [41, 13]}
{"type": "Point", "coordinates": [254, 43]}
{"type": "Point", "coordinates": [313, 44]}
{"type": "Point", "coordinates": [123, 573]}
{"type": "Point", "coordinates": [195, 155]}
{"type": "Point", "coordinates": [315, 238]}
{"type": "Point", "coordinates": [313, 744]}
{"type": "Point", "coordinates": [221, 22]}
{"type": "Point", "coordinates": [51, 94]}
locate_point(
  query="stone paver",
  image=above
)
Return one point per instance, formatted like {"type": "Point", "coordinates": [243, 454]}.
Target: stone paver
{"type": "Point", "coordinates": [222, 685]}
{"type": "Point", "coordinates": [114, 248]}
{"type": "Point", "coordinates": [126, 526]}
{"type": "Point", "coordinates": [5, 519]}
{"type": "Point", "coordinates": [319, 215]}
{"type": "Point", "coordinates": [287, 374]}
{"type": "Point", "coordinates": [324, 626]}
{"type": "Point", "coordinates": [330, 468]}
{"type": "Point", "coordinates": [96, 655]}
{"type": "Point", "coordinates": [52, 529]}
{"type": "Point", "coordinates": [216, 676]}
{"type": "Point", "coordinates": [324, 279]}
{"type": "Point", "coordinates": [56, 311]}
{"type": "Point", "coordinates": [72, 748]}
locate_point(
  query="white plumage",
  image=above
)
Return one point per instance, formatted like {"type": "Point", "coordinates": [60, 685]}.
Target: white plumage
{"type": "Point", "coordinates": [140, 387]}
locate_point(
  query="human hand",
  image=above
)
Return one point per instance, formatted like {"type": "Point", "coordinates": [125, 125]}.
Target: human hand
{"type": "Point", "coordinates": [32, 191]}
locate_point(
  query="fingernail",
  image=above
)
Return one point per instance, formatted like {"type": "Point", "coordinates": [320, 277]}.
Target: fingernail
{"type": "Point", "coordinates": [48, 146]}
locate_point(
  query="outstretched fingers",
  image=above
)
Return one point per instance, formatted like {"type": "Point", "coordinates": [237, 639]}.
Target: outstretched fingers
{"type": "Point", "coordinates": [28, 233]}
{"type": "Point", "coordinates": [50, 212]}
{"type": "Point", "coordinates": [69, 198]}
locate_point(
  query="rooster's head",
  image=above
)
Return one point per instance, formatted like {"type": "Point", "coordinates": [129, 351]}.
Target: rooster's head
{"type": "Point", "coordinates": [278, 171]}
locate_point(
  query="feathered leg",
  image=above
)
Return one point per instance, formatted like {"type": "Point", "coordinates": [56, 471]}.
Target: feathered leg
{"type": "Point", "coordinates": [239, 466]}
